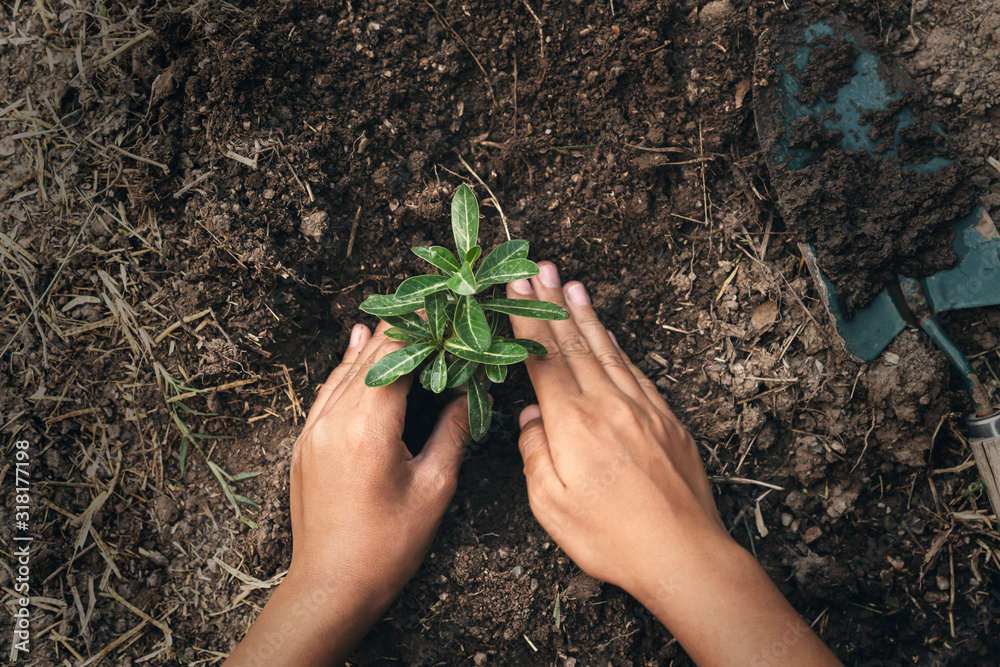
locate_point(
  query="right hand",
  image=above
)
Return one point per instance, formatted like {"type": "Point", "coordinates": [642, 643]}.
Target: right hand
{"type": "Point", "coordinates": [618, 483]}
{"type": "Point", "coordinates": [612, 474]}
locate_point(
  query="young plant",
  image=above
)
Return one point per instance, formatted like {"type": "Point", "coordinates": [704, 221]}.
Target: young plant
{"type": "Point", "coordinates": [457, 342]}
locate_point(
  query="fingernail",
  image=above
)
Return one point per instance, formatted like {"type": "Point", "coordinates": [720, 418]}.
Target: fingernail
{"type": "Point", "coordinates": [614, 340]}
{"type": "Point", "coordinates": [530, 413]}
{"type": "Point", "coordinates": [521, 286]}
{"type": "Point", "coordinates": [576, 294]}
{"type": "Point", "coordinates": [548, 274]}
{"type": "Point", "coordinates": [356, 334]}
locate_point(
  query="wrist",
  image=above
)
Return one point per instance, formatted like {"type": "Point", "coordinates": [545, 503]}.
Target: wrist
{"type": "Point", "coordinates": [360, 587]}
{"type": "Point", "coordinates": [309, 620]}
{"type": "Point", "coordinates": [677, 574]}
{"type": "Point", "coordinates": [724, 586]}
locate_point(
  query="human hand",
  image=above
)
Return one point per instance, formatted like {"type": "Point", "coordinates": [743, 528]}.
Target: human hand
{"type": "Point", "coordinates": [609, 466]}
{"type": "Point", "coordinates": [617, 481]}
{"type": "Point", "coordinates": [364, 512]}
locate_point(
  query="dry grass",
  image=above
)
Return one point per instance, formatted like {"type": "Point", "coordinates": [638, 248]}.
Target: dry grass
{"type": "Point", "coordinates": [83, 329]}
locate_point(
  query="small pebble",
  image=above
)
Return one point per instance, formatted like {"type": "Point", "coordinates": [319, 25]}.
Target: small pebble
{"type": "Point", "coordinates": [533, 586]}
{"type": "Point", "coordinates": [517, 572]}
{"type": "Point", "coordinates": [786, 519]}
{"type": "Point", "coordinates": [479, 659]}
{"type": "Point", "coordinates": [166, 509]}
{"type": "Point", "coordinates": [157, 559]}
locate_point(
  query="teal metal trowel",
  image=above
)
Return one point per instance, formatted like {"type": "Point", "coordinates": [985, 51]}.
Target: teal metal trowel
{"type": "Point", "coordinates": [878, 85]}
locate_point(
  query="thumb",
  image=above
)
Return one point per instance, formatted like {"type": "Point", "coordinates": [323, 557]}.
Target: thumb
{"type": "Point", "coordinates": [534, 444]}
{"type": "Point", "coordinates": [442, 455]}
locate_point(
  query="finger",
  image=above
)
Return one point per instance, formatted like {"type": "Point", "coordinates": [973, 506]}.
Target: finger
{"type": "Point", "coordinates": [387, 400]}
{"type": "Point", "coordinates": [365, 355]}
{"type": "Point", "coordinates": [601, 343]}
{"type": "Point", "coordinates": [550, 374]}
{"type": "Point", "coordinates": [352, 388]}
{"type": "Point", "coordinates": [534, 446]}
{"type": "Point", "coordinates": [360, 335]}
{"type": "Point", "coordinates": [438, 463]}
{"type": "Point", "coordinates": [573, 345]}
{"type": "Point", "coordinates": [647, 386]}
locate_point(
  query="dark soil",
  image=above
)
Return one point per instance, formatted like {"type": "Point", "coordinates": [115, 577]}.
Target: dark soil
{"type": "Point", "coordinates": [305, 146]}
{"type": "Point", "coordinates": [870, 216]}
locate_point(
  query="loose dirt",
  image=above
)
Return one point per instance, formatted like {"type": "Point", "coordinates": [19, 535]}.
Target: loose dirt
{"type": "Point", "coordinates": [213, 203]}
{"type": "Point", "coordinates": [870, 214]}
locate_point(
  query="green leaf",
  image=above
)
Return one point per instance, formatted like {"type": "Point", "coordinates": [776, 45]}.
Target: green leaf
{"type": "Point", "coordinates": [501, 352]}
{"type": "Point", "coordinates": [463, 282]}
{"type": "Point", "coordinates": [480, 413]}
{"type": "Point", "coordinates": [473, 254]}
{"type": "Point", "coordinates": [183, 453]}
{"type": "Point", "coordinates": [436, 307]}
{"type": "Point", "coordinates": [464, 219]}
{"type": "Point", "coordinates": [425, 377]}
{"type": "Point", "coordinates": [496, 323]}
{"type": "Point", "coordinates": [396, 333]}
{"type": "Point", "coordinates": [471, 325]}
{"type": "Point", "coordinates": [515, 249]}
{"type": "Point", "coordinates": [244, 499]}
{"type": "Point", "coordinates": [439, 256]}
{"type": "Point", "coordinates": [459, 372]}
{"type": "Point", "coordinates": [220, 475]}
{"type": "Point", "coordinates": [512, 269]}
{"type": "Point", "coordinates": [194, 412]}
{"type": "Point", "coordinates": [244, 475]}
{"type": "Point", "coordinates": [390, 367]}
{"type": "Point", "coordinates": [496, 373]}
{"type": "Point", "coordinates": [532, 346]}
{"type": "Point", "coordinates": [381, 305]}
{"type": "Point", "coordinates": [411, 322]}
{"type": "Point", "coordinates": [536, 310]}
{"type": "Point", "coordinates": [439, 374]}
{"type": "Point", "coordinates": [418, 287]}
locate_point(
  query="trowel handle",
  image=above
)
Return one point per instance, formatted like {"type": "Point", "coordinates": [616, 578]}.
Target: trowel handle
{"type": "Point", "coordinates": [985, 444]}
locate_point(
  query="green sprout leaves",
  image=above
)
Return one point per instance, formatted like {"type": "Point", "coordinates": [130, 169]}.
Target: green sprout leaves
{"type": "Point", "coordinates": [439, 256]}
{"type": "Point", "coordinates": [456, 342]}
{"type": "Point", "coordinates": [390, 367]}
{"type": "Point", "coordinates": [417, 287]}
{"type": "Point", "coordinates": [465, 219]}
{"type": "Point", "coordinates": [536, 310]}
{"type": "Point", "coordinates": [471, 326]}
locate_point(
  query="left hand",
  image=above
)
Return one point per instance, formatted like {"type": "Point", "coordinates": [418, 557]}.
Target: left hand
{"type": "Point", "coordinates": [364, 511]}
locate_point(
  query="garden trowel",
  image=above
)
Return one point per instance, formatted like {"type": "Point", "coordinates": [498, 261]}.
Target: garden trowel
{"type": "Point", "coordinates": [878, 85]}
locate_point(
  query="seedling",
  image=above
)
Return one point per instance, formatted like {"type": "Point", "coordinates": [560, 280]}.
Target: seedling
{"type": "Point", "coordinates": [457, 343]}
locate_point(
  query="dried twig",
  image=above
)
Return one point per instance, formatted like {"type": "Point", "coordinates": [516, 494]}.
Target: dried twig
{"type": "Point", "coordinates": [139, 158]}
{"type": "Point", "coordinates": [55, 279]}
{"type": "Point", "coordinates": [541, 36]}
{"type": "Point", "coordinates": [459, 38]}
{"type": "Point", "coordinates": [496, 202]}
